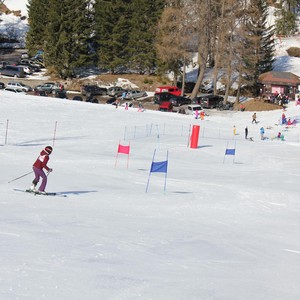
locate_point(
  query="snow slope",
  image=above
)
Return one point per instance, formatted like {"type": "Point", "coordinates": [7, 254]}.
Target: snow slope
{"type": "Point", "coordinates": [17, 5]}
{"type": "Point", "coordinates": [220, 230]}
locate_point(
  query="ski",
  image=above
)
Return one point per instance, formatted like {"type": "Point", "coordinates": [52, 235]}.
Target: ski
{"type": "Point", "coordinates": [40, 194]}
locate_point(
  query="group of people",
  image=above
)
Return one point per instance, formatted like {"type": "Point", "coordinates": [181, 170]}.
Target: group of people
{"type": "Point", "coordinates": [285, 121]}
{"type": "Point", "coordinates": [199, 114]}
{"type": "Point", "coordinates": [278, 98]}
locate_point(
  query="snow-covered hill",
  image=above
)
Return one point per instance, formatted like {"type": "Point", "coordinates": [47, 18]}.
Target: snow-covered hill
{"type": "Point", "coordinates": [227, 227]}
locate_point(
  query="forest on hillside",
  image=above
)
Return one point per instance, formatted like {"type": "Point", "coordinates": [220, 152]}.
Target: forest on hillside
{"type": "Point", "coordinates": [158, 36]}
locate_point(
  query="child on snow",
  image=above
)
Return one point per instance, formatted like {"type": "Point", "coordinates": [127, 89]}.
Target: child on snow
{"type": "Point", "coordinates": [38, 166]}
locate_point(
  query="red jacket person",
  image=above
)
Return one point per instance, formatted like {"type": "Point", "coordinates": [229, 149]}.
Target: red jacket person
{"type": "Point", "coordinates": [38, 166]}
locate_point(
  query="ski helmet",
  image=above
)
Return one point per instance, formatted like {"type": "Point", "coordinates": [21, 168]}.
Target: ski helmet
{"type": "Point", "coordinates": [48, 149]}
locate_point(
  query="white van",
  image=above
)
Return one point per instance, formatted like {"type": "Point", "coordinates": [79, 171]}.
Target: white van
{"type": "Point", "coordinates": [191, 109]}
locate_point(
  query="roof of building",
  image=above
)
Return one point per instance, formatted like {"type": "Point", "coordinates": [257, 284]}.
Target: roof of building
{"type": "Point", "coordinates": [282, 78]}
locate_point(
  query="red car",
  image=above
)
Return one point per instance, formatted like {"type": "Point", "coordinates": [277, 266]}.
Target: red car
{"type": "Point", "coordinates": [166, 106]}
{"type": "Point", "coordinates": [169, 89]}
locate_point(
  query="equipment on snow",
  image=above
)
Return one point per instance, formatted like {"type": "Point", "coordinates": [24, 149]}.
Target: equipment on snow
{"type": "Point", "coordinates": [20, 177]}
{"type": "Point", "coordinates": [41, 193]}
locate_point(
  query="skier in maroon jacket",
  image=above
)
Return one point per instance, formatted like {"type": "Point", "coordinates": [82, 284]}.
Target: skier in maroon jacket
{"type": "Point", "coordinates": [38, 166]}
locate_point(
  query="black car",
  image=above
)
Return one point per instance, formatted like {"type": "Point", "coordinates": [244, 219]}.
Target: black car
{"type": "Point", "coordinates": [179, 100]}
{"type": "Point", "coordinates": [208, 101]}
{"type": "Point", "coordinates": [2, 85]}
{"type": "Point", "coordinates": [225, 106]}
{"type": "Point", "coordinates": [93, 90]}
{"type": "Point", "coordinates": [162, 97]}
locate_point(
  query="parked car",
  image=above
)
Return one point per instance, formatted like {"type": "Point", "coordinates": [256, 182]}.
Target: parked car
{"type": "Point", "coordinates": [225, 106]}
{"type": "Point", "coordinates": [34, 68]}
{"type": "Point", "coordinates": [208, 101]}
{"type": "Point", "coordinates": [169, 89]}
{"type": "Point", "coordinates": [19, 86]}
{"type": "Point", "coordinates": [27, 69]}
{"type": "Point", "coordinates": [179, 100]}
{"type": "Point", "coordinates": [161, 97]}
{"type": "Point", "coordinates": [134, 94]}
{"type": "Point", "coordinates": [166, 106]}
{"type": "Point", "coordinates": [77, 98]}
{"type": "Point", "coordinates": [192, 108]}
{"type": "Point", "coordinates": [32, 62]}
{"type": "Point", "coordinates": [93, 90]}
{"type": "Point", "coordinates": [115, 91]}
{"type": "Point", "coordinates": [47, 87]}
{"type": "Point", "coordinates": [12, 71]}
{"type": "Point", "coordinates": [24, 55]}
{"type": "Point", "coordinates": [2, 85]}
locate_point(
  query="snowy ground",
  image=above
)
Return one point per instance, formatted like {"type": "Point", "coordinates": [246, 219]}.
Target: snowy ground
{"type": "Point", "coordinates": [220, 230]}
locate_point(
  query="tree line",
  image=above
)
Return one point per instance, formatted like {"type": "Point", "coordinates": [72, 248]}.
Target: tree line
{"type": "Point", "coordinates": [232, 37]}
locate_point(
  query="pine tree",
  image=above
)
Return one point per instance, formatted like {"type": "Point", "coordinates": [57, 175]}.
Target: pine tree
{"type": "Point", "coordinates": [112, 26]}
{"type": "Point", "coordinates": [286, 21]}
{"type": "Point", "coordinates": [37, 18]}
{"type": "Point", "coordinates": [68, 36]}
{"type": "Point", "coordinates": [260, 39]}
{"type": "Point", "coordinates": [145, 16]}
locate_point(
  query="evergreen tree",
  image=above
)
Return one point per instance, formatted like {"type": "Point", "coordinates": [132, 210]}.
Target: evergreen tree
{"type": "Point", "coordinates": [286, 21]}
{"type": "Point", "coordinates": [260, 39]}
{"type": "Point", "coordinates": [37, 18]}
{"type": "Point", "coordinates": [68, 36]}
{"type": "Point", "coordinates": [145, 16]}
{"type": "Point", "coordinates": [112, 26]}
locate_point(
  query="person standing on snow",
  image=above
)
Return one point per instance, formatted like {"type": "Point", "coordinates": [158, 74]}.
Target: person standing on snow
{"type": "Point", "coordinates": [246, 132]}
{"type": "Point", "coordinates": [38, 166]}
{"type": "Point", "coordinates": [262, 132]}
{"type": "Point", "coordinates": [254, 118]}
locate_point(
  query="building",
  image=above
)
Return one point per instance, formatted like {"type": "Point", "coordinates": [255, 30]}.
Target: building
{"type": "Point", "coordinates": [286, 83]}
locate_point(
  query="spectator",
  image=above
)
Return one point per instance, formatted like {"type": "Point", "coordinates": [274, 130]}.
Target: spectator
{"type": "Point", "coordinates": [262, 132]}
{"type": "Point", "coordinates": [254, 118]}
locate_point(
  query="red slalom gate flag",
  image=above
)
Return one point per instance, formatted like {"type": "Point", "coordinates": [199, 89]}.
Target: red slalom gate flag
{"type": "Point", "coordinates": [123, 149]}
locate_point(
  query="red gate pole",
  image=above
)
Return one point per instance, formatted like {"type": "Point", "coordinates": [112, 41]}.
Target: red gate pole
{"type": "Point", "coordinates": [195, 136]}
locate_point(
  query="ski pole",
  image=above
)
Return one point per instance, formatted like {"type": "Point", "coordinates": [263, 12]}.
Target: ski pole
{"type": "Point", "coordinates": [21, 176]}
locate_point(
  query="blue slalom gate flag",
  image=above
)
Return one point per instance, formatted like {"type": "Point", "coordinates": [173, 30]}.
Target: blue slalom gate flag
{"type": "Point", "coordinates": [230, 152]}
{"type": "Point", "coordinates": [158, 167]}
{"type": "Point", "coordinates": [161, 166]}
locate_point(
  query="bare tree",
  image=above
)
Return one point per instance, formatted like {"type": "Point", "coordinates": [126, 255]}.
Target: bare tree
{"type": "Point", "coordinates": [174, 34]}
{"type": "Point", "coordinates": [203, 21]}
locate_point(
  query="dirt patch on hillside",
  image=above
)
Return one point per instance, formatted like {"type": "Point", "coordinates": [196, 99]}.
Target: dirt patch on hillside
{"type": "Point", "coordinates": [258, 105]}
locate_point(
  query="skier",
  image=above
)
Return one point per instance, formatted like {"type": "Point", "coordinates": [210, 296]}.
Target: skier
{"type": "Point", "coordinates": [246, 132]}
{"type": "Point", "coordinates": [38, 166]}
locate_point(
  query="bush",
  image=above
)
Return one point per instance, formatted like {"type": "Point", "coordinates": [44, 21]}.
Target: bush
{"type": "Point", "coordinates": [294, 51]}
{"type": "Point", "coordinates": [148, 81]}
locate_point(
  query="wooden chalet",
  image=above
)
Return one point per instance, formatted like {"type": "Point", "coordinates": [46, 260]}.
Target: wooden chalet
{"type": "Point", "coordinates": [286, 83]}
